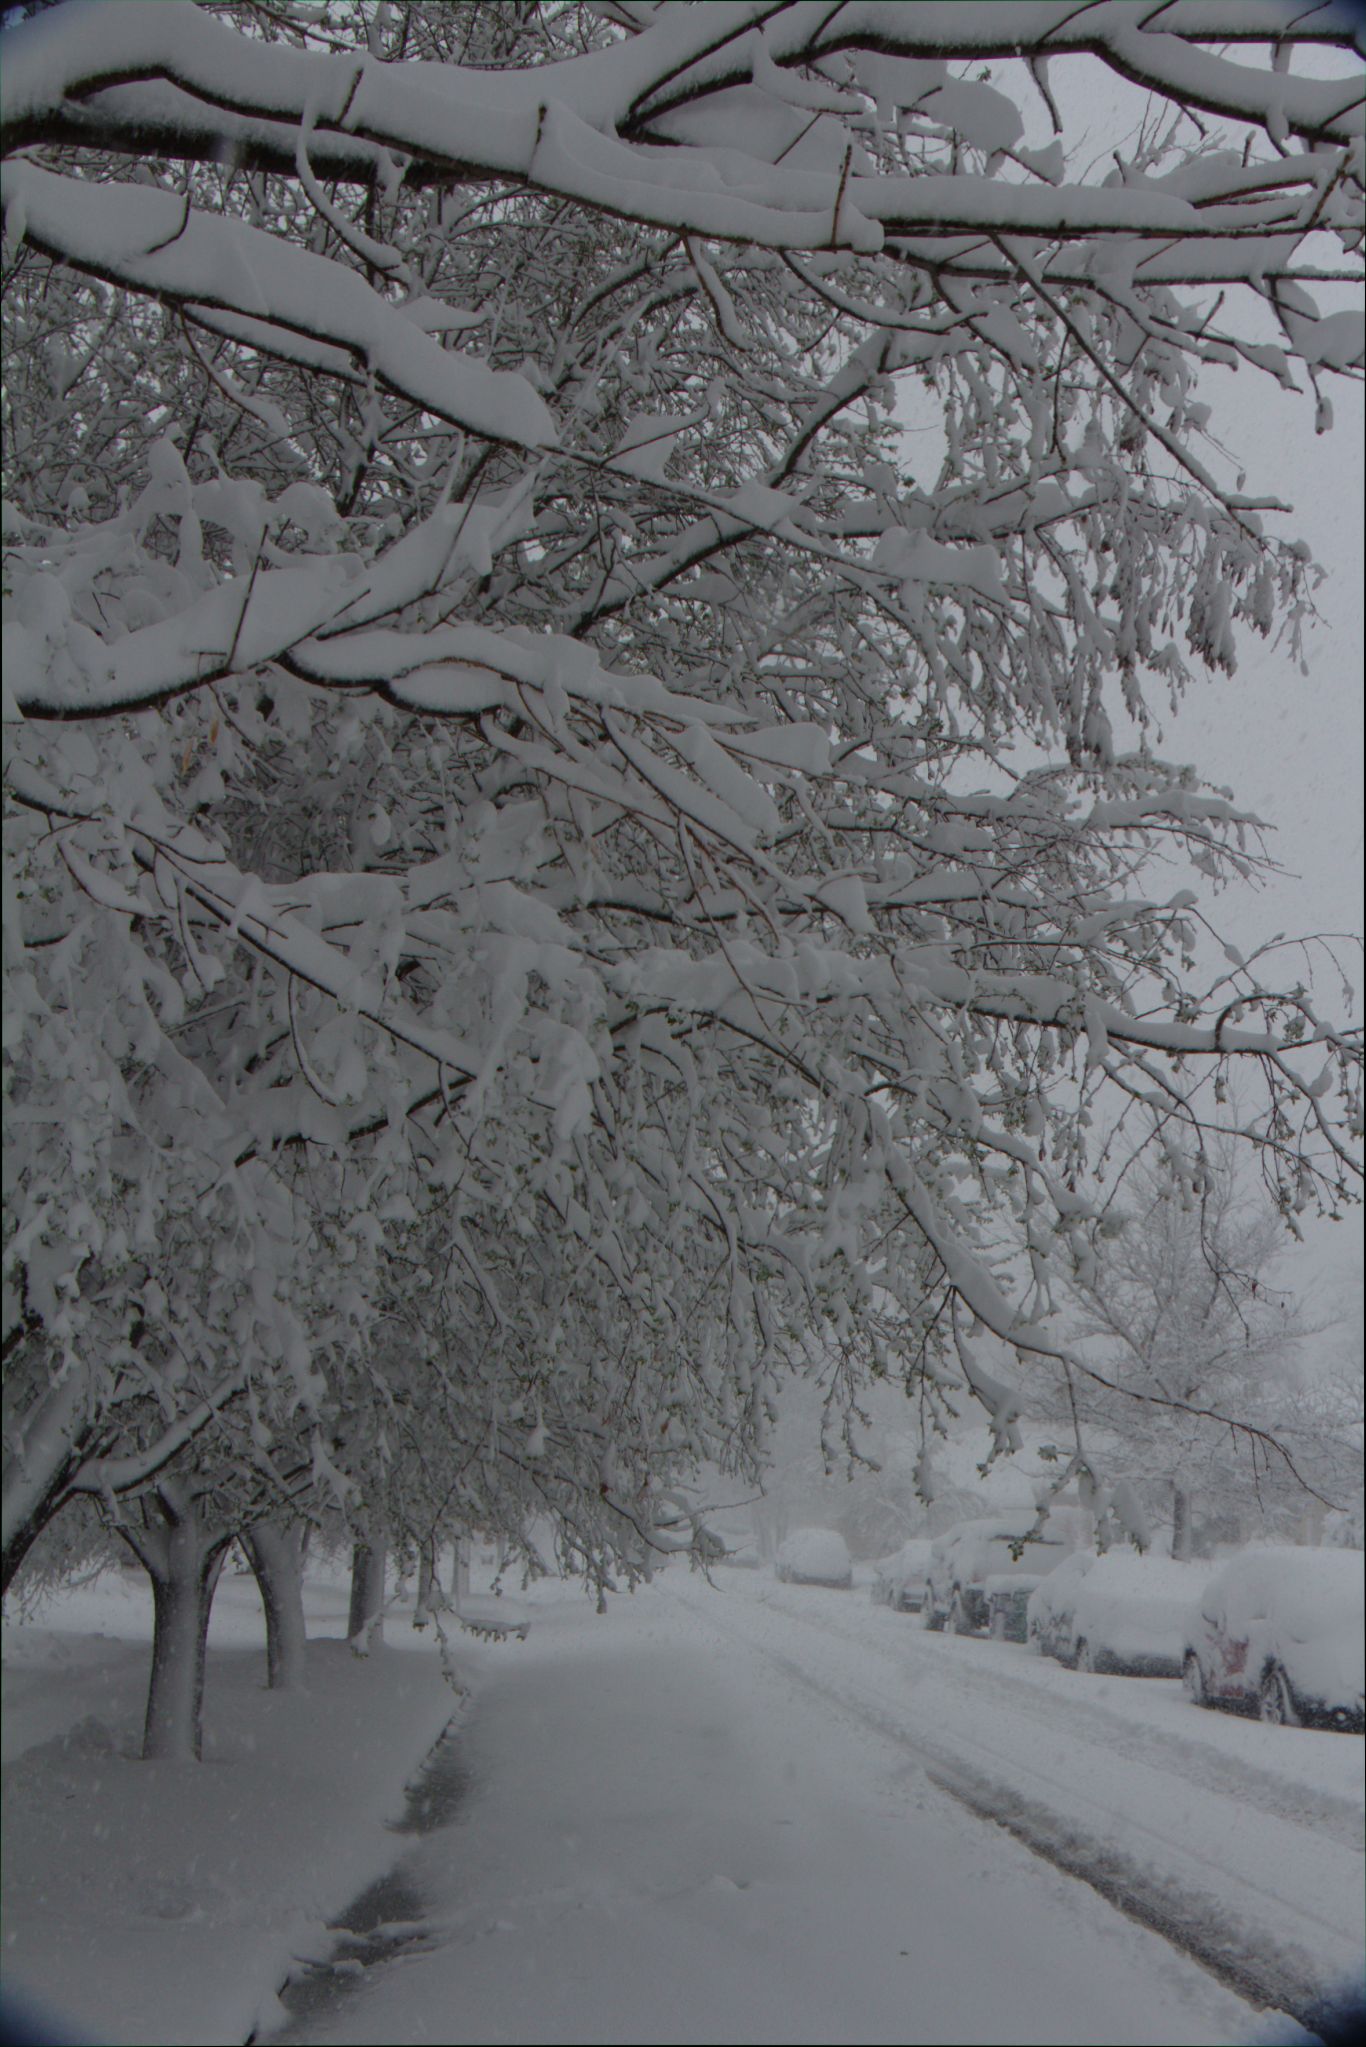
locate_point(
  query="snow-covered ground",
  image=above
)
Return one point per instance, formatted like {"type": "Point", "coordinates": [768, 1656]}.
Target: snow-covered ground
{"type": "Point", "coordinates": [160, 1902]}
{"type": "Point", "coordinates": [741, 1813]}
{"type": "Point", "coordinates": [1207, 1815]}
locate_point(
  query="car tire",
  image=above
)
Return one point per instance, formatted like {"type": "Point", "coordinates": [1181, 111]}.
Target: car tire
{"type": "Point", "coordinates": [1275, 1704]}
{"type": "Point", "coordinates": [1193, 1680]}
{"type": "Point", "coordinates": [958, 1616]}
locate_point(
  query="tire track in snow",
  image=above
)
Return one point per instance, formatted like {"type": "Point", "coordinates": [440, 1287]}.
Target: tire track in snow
{"type": "Point", "coordinates": [1108, 1724]}
{"type": "Point", "coordinates": [951, 1766]}
{"type": "Point", "coordinates": [1199, 1765]}
{"type": "Point", "coordinates": [1276, 1980]}
{"type": "Point", "coordinates": [1275, 1974]}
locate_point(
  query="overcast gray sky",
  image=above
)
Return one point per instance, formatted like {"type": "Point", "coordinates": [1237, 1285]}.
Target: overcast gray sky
{"type": "Point", "coordinates": [1289, 745]}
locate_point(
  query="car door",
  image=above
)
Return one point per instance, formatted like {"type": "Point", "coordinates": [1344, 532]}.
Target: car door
{"type": "Point", "coordinates": [1230, 1641]}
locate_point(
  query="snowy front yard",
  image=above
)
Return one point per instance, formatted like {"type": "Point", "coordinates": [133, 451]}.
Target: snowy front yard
{"type": "Point", "coordinates": [164, 1901]}
{"type": "Point", "coordinates": [709, 1815]}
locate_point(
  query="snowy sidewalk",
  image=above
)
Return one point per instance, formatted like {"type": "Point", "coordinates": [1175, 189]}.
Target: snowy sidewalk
{"type": "Point", "coordinates": [163, 1902]}
{"type": "Point", "coordinates": [664, 1840]}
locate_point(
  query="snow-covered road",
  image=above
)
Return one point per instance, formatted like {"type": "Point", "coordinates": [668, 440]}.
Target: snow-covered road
{"type": "Point", "coordinates": [737, 1814]}
{"type": "Point", "coordinates": [1241, 1842]}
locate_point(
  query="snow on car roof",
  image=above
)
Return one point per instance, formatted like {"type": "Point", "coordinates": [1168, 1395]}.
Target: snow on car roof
{"type": "Point", "coordinates": [1061, 1524]}
{"type": "Point", "coordinates": [1126, 1570]}
{"type": "Point", "coordinates": [813, 1543]}
{"type": "Point", "coordinates": [1312, 1589]}
{"type": "Point", "coordinates": [1017, 1521]}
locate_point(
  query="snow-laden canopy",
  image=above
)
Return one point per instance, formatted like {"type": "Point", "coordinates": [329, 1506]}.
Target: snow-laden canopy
{"type": "Point", "coordinates": [553, 866]}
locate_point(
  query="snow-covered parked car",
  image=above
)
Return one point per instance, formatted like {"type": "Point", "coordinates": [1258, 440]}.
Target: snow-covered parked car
{"type": "Point", "coordinates": [978, 1565]}
{"type": "Point", "coordinates": [1048, 1615]}
{"type": "Point", "coordinates": [1280, 1632]}
{"type": "Point", "coordinates": [1120, 1612]}
{"type": "Point", "coordinates": [899, 1580]}
{"type": "Point", "coordinates": [813, 1556]}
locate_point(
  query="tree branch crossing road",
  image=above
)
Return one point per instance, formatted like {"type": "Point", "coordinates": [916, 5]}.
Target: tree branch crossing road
{"type": "Point", "coordinates": [738, 1814]}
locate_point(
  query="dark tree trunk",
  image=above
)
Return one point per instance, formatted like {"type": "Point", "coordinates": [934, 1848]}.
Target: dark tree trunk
{"type": "Point", "coordinates": [1181, 1524]}
{"type": "Point", "coordinates": [460, 1572]}
{"type": "Point", "coordinates": [275, 1550]}
{"type": "Point", "coordinates": [365, 1623]}
{"type": "Point", "coordinates": [431, 1595]}
{"type": "Point", "coordinates": [182, 1553]}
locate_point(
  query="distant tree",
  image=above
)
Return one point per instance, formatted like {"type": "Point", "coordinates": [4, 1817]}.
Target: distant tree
{"type": "Point", "coordinates": [1184, 1326]}
{"type": "Point", "coordinates": [504, 744]}
{"type": "Point", "coordinates": [1328, 1430]}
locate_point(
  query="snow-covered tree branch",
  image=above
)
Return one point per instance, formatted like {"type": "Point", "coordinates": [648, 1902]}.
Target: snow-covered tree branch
{"type": "Point", "coordinates": [555, 866]}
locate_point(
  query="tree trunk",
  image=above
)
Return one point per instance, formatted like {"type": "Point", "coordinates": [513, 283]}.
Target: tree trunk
{"type": "Point", "coordinates": [460, 1572]}
{"type": "Point", "coordinates": [182, 1556]}
{"type": "Point", "coordinates": [431, 1594]}
{"type": "Point", "coordinates": [1181, 1524]}
{"type": "Point", "coordinates": [275, 1550]}
{"type": "Point", "coordinates": [365, 1623]}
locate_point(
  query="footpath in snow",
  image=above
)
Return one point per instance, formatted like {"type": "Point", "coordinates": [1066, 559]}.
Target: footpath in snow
{"type": "Point", "coordinates": [664, 1840]}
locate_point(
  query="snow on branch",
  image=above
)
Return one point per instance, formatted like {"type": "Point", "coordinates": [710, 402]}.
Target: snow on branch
{"type": "Point", "coordinates": [586, 593]}
{"type": "Point", "coordinates": [156, 244]}
{"type": "Point", "coordinates": [577, 129]}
